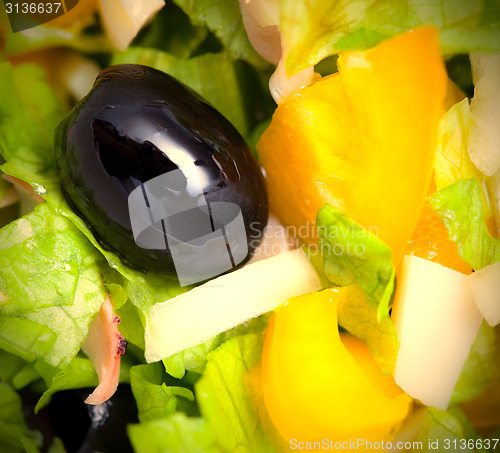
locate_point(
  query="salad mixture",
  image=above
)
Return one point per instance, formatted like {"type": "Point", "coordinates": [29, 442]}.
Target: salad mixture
{"type": "Point", "coordinates": [364, 316]}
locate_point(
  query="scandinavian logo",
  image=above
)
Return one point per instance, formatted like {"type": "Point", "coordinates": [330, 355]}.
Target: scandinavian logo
{"type": "Point", "coordinates": [170, 212]}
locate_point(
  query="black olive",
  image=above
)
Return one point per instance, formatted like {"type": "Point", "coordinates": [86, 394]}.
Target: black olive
{"type": "Point", "coordinates": [136, 124]}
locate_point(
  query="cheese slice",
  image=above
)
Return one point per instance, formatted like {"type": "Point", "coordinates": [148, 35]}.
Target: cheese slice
{"type": "Point", "coordinates": [225, 302]}
{"type": "Point", "coordinates": [485, 287]}
{"type": "Point", "coordinates": [437, 321]}
{"type": "Point", "coordinates": [122, 19]}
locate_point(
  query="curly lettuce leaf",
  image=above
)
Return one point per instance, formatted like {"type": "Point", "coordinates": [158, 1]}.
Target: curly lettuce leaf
{"type": "Point", "coordinates": [30, 113]}
{"type": "Point", "coordinates": [180, 433]}
{"type": "Point", "coordinates": [229, 419]}
{"type": "Point", "coordinates": [43, 258]}
{"type": "Point", "coordinates": [311, 29]}
{"type": "Point", "coordinates": [80, 373]}
{"type": "Point", "coordinates": [17, 372]}
{"type": "Point", "coordinates": [452, 162]}
{"type": "Point", "coordinates": [224, 20]}
{"type": "Point", "coordinates": [223, 395]}
{"type": "Point", "coordinates": [194, 359]}
{"type": "Point", "coordinates": [191, 359]}
{"type": "Point", "coordinates": [24, 338]}
{"type": "Point", "coordinates": [12, 365]}
{"type": "Point", "coordinates": [155, 399]}
{"type": "Point", "coordinates": [14, 434]}
{"type": "Point", "coordinates": [317, 29]}
{"type": "Point", "coordinates": [50, 275]}
{"type": "Point", "coordinates": [480, 368]}
{"type": "Point", "coordinates": [171, 31]}
{"type": "Point", "coordinates": [446, 430]}
{"type": "Point", "coordinates": [353, 254]}
{"type": "Point", "coordinates": [131, 325]}
{"type": "Point", "coordinates": [43, 37]}
{"type": "Point", "coordinates": [358, 315]}
{"type": "Point", "coordinates": [461, 206]}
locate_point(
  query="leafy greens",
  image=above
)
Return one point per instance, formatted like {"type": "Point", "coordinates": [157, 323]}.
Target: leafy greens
{"type": "Point", "coordinates": [54, 273]}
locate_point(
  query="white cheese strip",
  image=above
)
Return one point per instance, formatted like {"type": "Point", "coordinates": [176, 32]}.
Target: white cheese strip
{"type": "Point", "coordinates": [225, 302]}
{"type": "Point", "coordinates": [484, 134]}
{"type": "Point", "coordinates": [76, 73]}
{"type": "Point", "coordinates": [437, 321]}
{"type": "Point", "coordinates": [261, 19]}
{"type": "Point", "coordinates": [485, 287]}
{"type": "Point", "coordinates": [122, 19]}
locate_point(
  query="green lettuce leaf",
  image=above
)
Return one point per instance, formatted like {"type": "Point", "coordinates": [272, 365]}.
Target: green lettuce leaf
{"type": "Point", "coordinates": [131, 325]}
{"type": "Point", "coordinates": [175, 434]}
{"type": "Point", "coordinates": [80, 373]}
{"type": "Point", "coordinates": [43, 259]}
{"type": "Point", "coordinates": [311, 29]}
{"type": "Point", "coordinates": [461, 207]}
{"type": "Point", "coordinates": [447, 431]}
{"type": "Point", "coordinates": [452, 162]}
{"type": "Point", "coordinates": [30, 112]}
{"type": "Point", "coordinates": [229, 421]}
{"type": "Point", "coordinates": [27, 339]}
{"type": "Point", "coordinates": [14, 434]}
{"type": "Point", "coordinates": [194, 359]}
{"type": "Point", "coordinates": [480, 368]}
{"type": "Point", "coordinates": [223, 396]}
{"type": "Point", "coordinates": [315, 30]}
{"type": "Point", "coordinates": [358, 315]}
{"type": "Point", "coordinates": [17, 372]}
{"type": "Point", "coordinates": [155, 399]}
{"type": "Point", "coordinates": [27, 375]}
{"type": "Point", "coordinates": [51, 277]}
{"type": "Point", "coordinates": [171, 31]}
{"type": "Point", "coordinates": [44, 37]}
{"type": "Point", "coordinates": [191, 359]}
{"type": "Point", "coordinates": [11, 366]}
{"type": "Point", "coordinates": [353, 254]}
{"type": "Point", "coordinates": [223, 18]}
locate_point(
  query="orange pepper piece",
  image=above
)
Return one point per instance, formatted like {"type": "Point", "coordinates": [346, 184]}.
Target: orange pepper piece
{"type": "Point", "coordinates": [362, 140]}
{"type": "Point", "coordinates": [319, 384]}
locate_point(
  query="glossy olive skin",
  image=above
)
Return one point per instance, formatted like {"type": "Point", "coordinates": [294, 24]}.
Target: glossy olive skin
{"type": "Point", "coordinates": [138, 123]}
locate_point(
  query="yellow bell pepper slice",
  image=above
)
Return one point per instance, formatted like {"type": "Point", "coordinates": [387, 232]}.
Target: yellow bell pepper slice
{"type": "Point", "coordinates": [319, 384]}
{"type": "Point", "coordinates": [362, 140]}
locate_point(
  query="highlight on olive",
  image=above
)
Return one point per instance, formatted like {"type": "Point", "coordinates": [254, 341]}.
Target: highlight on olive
{"type": "Point", "coordinates": [135, 125]}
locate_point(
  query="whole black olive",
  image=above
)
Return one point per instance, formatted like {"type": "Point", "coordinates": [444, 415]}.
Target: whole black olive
{"type": "Point", "coordinates": [138, 124]}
